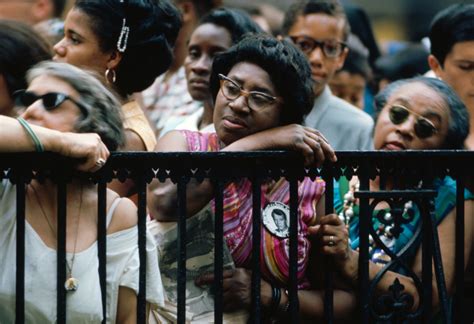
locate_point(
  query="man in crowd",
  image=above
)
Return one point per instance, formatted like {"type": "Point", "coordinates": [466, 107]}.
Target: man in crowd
{"type": "Point", "coordinates": [452, 60]}
{"type": "Point", "coordinates": [320, 29]}
{"type": "Point", "coordinates": [452, 54]}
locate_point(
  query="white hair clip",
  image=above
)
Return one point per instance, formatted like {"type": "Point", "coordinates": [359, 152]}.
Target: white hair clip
{"type": "Point", "coordinates": [123, 38]}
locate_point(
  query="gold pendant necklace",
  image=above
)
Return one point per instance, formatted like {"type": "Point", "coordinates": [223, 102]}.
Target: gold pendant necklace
{"type": "Point", "coordinates": [71, 283]}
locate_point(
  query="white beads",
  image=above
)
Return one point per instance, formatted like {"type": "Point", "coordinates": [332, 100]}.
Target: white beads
{"type": "Point", "coordinates": [349, 196]}
{"type": "Point", "coordinates": [349, 212]}
{"type": "Point", "coordinates": [349, 200]}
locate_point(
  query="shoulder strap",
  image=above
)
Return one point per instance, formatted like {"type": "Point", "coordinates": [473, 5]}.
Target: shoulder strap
{"type": "Point", "coordinates": [112, 208]}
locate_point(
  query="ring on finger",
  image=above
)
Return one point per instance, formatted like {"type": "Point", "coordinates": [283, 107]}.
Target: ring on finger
{"type": "Point", "coordinates": [331, 241]}
{"type": "Point", "coordinates": [100, 162]}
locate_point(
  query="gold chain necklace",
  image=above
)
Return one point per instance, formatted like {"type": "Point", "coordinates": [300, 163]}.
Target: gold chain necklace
{"type": "Point", "coordinates": [71, 283]}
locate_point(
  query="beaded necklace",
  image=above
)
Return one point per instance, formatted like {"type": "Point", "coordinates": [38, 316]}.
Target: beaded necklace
{"type": "Point", "coordinates": [384, 232]}
{"type": "Point", "coordinates": [349, 200]}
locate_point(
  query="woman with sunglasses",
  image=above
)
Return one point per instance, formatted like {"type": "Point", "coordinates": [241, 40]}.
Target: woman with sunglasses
{"type": "Point", "coordinates": [262, 89]}
{"type": "Point", "coordinates": [68, 111]}
{"type": "Point", "coordinates": [129, 42]}
{"type": "Point", "coordinates": [412, 114]}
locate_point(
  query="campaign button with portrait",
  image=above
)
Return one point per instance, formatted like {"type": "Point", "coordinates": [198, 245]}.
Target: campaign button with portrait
{"type": "Point", "coordinates": [276, 218]}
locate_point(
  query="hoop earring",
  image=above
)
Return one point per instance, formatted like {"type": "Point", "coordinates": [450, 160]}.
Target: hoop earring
{"type": "Point", "coordinates": [110, 75]}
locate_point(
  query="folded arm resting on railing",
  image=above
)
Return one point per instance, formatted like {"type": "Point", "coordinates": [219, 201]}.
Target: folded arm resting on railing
{"type": "Point", "coordinates": [87, 147]}
{"type": "Point", "coordinates": [162, 200]}
{"type": "Point", "coordinates": [305, 140]}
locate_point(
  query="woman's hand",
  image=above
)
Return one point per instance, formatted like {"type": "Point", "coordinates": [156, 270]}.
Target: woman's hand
{"type": "Point", "coordinates": [308, 141]}
{"type": "Point", "coordinates": [87, 147]}
{"type": "Point", "coordinates": [237, 290]}
{"type": "Point", "coordinates": [332, 237]}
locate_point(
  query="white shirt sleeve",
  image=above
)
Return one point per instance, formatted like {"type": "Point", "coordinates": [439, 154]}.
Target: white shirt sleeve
{"type": "Point", "coordinates": [123, 266]}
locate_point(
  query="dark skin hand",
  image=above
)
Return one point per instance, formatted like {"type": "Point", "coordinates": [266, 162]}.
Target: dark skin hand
{"type": "Point", "coordinates": [331, 228]}
{"type": "Point", "coordinates": [310, 142]}
{"type": "Point", "coordinates": [236, 288]}
{"type": "Point", "coordinates": [237, 295]}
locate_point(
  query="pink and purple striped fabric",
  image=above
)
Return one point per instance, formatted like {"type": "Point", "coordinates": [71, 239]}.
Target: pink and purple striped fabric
{"type": "Point", "coordinates": [238, 219]}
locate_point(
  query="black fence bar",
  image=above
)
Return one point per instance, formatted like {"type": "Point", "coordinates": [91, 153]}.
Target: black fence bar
{"type": "Point", "coordinates": [102, 243]}
{"type": "Point", "coordinates": [182, 249]}
{"type": "Point", "coordinates": [142, 214]}
{"type": "Point", "coordinates": [20, 251]}
{"type": "Point", "coordinates": [329, 275]}
{"type": "Point", "coordinates": [459, 253]}
{"type": "Point", "coordinates": [218, 254]}
{"type": "Point", "coordinates": [365, 219]}
{"type": "Point", "coordinates": [61, 252]}
{"type": "Point", "coordinates": [293, 284]}
{"type": "Point", "coordinates": [256, 240]}
{"type": "Point", "coordinates": [427, 270]}
{"type": "Point", "coordinates": [439, 271]}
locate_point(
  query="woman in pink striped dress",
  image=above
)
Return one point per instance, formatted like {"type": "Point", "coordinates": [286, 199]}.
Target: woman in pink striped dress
{"type": "Point", "coordinates": [262, 89]}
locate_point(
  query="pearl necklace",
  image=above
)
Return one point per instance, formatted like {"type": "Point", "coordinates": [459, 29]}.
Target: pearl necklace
{"type": "Point", "coordinates": [384, 232]}
{"type": "Point", "coordinates": [349, 200]}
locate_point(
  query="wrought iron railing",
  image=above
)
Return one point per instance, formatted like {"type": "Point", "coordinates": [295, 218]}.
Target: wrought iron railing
{"type": "Point", "coordinates": [258, 167]}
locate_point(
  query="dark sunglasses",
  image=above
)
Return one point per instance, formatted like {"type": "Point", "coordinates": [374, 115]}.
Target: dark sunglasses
{"type": "Point", "coordinates": [51, 100]}
{"type": "Point", "coordinates": [424, 128]}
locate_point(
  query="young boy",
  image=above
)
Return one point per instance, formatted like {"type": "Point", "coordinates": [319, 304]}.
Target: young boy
{"type": "Point", "coordinates": [320, 29]}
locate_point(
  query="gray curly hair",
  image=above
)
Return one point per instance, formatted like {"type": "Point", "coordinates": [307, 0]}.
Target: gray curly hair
{"type": "Point", "coordinates": [458, 128]}
{"type": "Point", "coordinates": [104, 110]}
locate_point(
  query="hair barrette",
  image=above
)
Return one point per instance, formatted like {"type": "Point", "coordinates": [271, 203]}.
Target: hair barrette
{"type": "Point", "coordinates": [123, 38]}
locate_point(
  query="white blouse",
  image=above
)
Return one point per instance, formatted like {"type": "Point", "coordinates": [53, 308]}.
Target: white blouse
{"type": "Point", "coordinates": [83, 305]}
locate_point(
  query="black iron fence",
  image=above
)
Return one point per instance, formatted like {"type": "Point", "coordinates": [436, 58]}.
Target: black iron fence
{"type": "Point", "coordinates": [417, 166]}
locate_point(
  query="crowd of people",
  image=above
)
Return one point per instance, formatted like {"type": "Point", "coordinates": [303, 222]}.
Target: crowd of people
{"type": "Point", "coordinates": [195, 76]}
